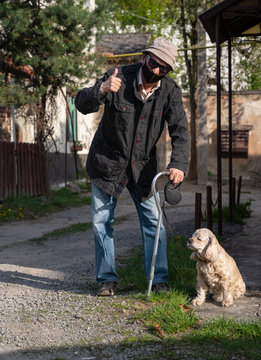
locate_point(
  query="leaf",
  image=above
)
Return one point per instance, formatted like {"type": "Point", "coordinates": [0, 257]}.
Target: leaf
{"type": "Point", "coordinates": [186, 309]}
{"type": "Point", "coordinates": [159, 330]}
{"type": "Point", "coordinates": [197, 325]}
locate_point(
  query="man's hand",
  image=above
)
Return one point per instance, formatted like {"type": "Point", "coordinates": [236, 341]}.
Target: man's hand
{"type": "Point", "coordinates": [176, 176]}
{"type": "Point", "coordinates": [112, 84]}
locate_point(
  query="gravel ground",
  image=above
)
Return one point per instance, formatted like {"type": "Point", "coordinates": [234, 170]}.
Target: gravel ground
{"type": "Point", "coordinates": [48, 307]}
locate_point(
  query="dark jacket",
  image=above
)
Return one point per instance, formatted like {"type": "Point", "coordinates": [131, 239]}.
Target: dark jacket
{"type": "Point", "coordinates": [125, 142]}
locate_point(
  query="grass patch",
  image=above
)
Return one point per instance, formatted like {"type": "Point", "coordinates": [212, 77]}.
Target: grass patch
{"type": "Point", "coordinates": [240, 212]}
{"type": "Point", "coordinates": [167, 313]}
{"type": "Point", "coordinates": [233, 337]}
{"type": "Point", "coordinates": [182, 270]}
{"type": "Point", "coordinates": [166, 309]}
{"type": "Point", "coordinates": [131, 272]}
{"type": "Point", "coordinates": [64, 231]}
{"type": "Point", "coordinates": [28, 207]}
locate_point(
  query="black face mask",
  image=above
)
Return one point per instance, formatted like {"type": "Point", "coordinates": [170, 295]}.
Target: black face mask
{"type": "Point", "coordinates": [149, 76]}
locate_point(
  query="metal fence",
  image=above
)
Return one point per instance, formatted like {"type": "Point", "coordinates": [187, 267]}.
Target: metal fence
{"type": "Point", "coordinates": [22, 169]}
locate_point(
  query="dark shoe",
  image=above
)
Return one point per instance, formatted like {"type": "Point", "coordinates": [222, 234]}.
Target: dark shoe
{"type": "Point", "coordinates": [107, 288]}
{"type": "Point", "coordinates": [160, 287]}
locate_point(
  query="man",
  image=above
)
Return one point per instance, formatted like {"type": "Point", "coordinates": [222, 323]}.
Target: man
{"type": "Point", "coordinates": [138, 100]}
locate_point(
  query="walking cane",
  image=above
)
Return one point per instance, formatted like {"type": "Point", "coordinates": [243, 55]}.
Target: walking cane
{"type": "Point", "coordinates": [156, 242]}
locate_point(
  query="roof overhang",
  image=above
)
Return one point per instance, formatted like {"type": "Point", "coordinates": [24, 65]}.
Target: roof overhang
{"type": "Point", "coordinates": [237, 18]}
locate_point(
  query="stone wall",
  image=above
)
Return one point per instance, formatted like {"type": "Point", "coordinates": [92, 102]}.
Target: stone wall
{"type": "Point", "coordinates": [246, 114]}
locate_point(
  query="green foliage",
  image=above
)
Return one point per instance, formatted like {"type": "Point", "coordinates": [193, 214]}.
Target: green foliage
{"type": "Point", "coordinates": [250, 64]}
{"type": "Point", "coordinates": [144, 16]}
{"type": "Point", "coordinates": [44, 46]}
{"type": "Point", "coordinates": [27, 207]}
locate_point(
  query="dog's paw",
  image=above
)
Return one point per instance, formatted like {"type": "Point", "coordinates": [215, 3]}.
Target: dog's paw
{"type": "Point", "coordinates": [226, 303]}
{"type": "Point", "coordinates": [218, 298]}
{"type": "Point", "coordinates": [228, 300]}
{"type": "Point", "coordinates": [197, 302]}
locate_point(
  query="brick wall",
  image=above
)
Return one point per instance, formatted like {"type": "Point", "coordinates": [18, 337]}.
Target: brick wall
{"type": "Point", "coordinates": [5, 124]}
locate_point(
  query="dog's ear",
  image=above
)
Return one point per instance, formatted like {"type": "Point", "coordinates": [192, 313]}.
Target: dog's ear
{"type": "Point", "coordinates": [211, 249]}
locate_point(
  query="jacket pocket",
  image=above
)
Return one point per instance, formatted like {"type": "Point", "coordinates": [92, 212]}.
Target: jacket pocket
{"type": "Point", "coordinates": [122, 113]}
{"type": "Point", "coordinates": [157, 122]}
{"type": "Point", "coordinates": [108, 163]}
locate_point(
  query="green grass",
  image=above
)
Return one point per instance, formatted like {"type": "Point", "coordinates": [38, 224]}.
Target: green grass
{"type": "Point", "coordinates": [240, 212]}
{"type": "Point", "coordinates": [168, 314]}
{"type": "Point", "coordinates": [28, 207]}
{"type": "Point", "coordinates": [182, 271]}
{"type": "Point", "coordinates": [229, 337]}
{"type": "Point", "coordinates": [217, 339]}
{"type": "Point", "coordinates": [64, 231]}
{"type": "Point", "coordinates": [182, 274]}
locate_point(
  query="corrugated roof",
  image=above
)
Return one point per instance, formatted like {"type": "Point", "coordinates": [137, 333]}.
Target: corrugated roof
{"type": "Point", "coordinates": [123, 43]}
{"type": "Point", "coordinates": [236, 17]}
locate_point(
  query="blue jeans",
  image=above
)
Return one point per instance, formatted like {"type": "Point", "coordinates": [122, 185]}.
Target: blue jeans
{"type": "Point", "coordinates": [103, 206]}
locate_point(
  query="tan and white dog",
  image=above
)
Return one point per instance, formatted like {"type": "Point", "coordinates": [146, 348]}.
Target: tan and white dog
{"type": "Point", "coordinates": [217, 272]}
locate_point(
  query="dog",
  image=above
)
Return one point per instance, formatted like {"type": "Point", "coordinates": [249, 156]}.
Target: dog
{"type": "Point", "coordinates": [217, 272]}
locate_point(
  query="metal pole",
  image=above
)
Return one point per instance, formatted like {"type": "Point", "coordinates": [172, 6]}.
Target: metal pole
{"type": "Point", "coordinates": [219, 169]}
{"type": "Point", "coordinates": [230, 132]}
{"type": "Point", "coordinates": [156, 242]}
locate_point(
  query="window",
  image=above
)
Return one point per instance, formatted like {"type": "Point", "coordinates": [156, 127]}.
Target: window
{"type": "Point", "coordinates": [72, 123]}
{"type": "Point", "coordinates": [239, 143]}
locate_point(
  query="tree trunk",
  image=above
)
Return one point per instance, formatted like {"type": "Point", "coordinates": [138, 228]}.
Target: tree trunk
{"type": "Point", "coordinates": [40, 121]}
{"type": "Point", "coordinates": [202, 95]}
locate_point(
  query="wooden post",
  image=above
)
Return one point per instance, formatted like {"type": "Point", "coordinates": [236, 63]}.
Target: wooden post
{"type": "Point", "coordinates": [209, 207]}
{"type": "Point", "coordinates": [239, 189]}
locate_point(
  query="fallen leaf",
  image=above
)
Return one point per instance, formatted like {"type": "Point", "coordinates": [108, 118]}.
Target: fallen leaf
{"type": "Point", "coordinates": [159, 330]}
{"type": "Point", "coordinates": [197, 325]}
{"type": "Point", "coordinates": [185, 308]}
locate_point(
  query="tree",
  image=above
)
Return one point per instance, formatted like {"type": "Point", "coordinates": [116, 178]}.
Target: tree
{"type": "Point", "coordinates": [180, 17]}
{"type": "Point", "coordinates": [44, 46]}
{"type": "Point", "coordinates": [187, 23]}
{"type": "Point", "coordinates": [249, 69]}
{"type": "Point", "coordinates": [146, 15]}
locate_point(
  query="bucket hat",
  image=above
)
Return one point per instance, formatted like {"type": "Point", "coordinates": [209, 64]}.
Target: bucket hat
{"type": "Point", "coordinates": [164, 50]}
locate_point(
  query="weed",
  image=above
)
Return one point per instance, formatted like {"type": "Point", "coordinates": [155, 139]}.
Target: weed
{"type": "Point", "coordinates": [28, 207]}
{"type": "Point", "coordinates": [237, 337]}
{"type": "Point", "coordinates": [131, 273]}
{"type": "Point", "coordinates": [167, 312]}
{"type": "Point", "coordinates": [240, 212]}
{"type": "Point", "coordinates": [64, 231]}
{"type": "Point", "coordinates": [182, 270]}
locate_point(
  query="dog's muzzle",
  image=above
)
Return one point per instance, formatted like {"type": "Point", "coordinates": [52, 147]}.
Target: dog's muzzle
{"type": "Point", "coordinates": [189, 243]}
